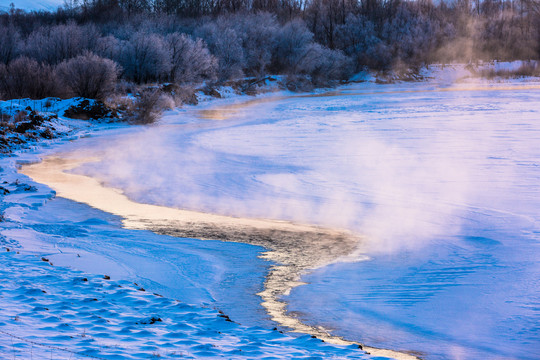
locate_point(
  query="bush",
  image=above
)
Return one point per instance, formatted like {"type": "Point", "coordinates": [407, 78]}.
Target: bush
{"type": "Point", "coordinates": [26, 78]}
{"type": "Point", "coordinates": [148, 106]}
{"type": "Point", "coordinates": [88, 75]}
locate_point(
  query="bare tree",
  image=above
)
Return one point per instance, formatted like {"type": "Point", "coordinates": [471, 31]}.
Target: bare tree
{"type": "Point", "coordinates": [57, 43]}
{"type": "Point", "coordinates": [26, 78]}
{"type": "Point", "coordinates": [10, 42]}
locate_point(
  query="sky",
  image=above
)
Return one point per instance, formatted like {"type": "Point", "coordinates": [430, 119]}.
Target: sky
{"type": "Point", "coordinates": [30, 5]}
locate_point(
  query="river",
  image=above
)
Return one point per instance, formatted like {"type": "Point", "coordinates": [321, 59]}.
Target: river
{"type": "Point", "coordinates": [403, 216]}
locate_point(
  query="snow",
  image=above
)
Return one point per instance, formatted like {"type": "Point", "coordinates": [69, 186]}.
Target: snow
{"type": "Point", "coordinates": [49, 311]}
{"type": "Point", "coordinates": [441, 177]}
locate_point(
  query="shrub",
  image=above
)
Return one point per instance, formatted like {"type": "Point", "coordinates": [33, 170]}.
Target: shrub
{"type": "Point", "coordinates": [88, 75]}
{"type": "Point", "coordinates": [148, 106]}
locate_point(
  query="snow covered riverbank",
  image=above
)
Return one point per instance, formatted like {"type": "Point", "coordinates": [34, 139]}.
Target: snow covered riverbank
{"type": "Point", "coordinates": [49, 310]}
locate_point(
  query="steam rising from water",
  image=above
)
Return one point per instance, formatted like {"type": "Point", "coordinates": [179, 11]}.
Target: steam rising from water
{"type": "Point", "coordinates": [400, 170]}
{"type": "Point", "coordinates": [335, 165]}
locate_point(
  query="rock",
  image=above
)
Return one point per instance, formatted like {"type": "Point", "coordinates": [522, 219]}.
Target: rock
{"type": "Point", "coordinates": [90, 109]}
{"type": "Point", "coordinates": [24, 127]}
{"type": "Point", "coordinates": [210, 91]}
{"type": "Point", "coordinates": [47, 134]}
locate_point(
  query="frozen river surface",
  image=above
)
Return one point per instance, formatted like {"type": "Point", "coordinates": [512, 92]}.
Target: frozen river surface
{"type": "Point", "coordinates": [443, 182]}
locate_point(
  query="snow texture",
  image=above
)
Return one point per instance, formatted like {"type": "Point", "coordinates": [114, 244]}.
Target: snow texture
{"type": "Point", "coordinates": [49, 310]}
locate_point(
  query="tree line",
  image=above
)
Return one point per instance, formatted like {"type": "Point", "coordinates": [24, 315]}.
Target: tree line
{"type": "Point", "coordinates": [87, 46]}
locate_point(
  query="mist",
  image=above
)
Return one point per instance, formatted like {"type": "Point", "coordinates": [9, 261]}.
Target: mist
{"type": "Point", "coordinates": [401, 182]}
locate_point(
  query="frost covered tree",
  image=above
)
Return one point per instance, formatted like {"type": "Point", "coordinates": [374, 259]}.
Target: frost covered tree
{"type": "Point", "coordinates": [226, 45]}
{"type": "Point", "coordinates": [190, 60]}
{"type": "Point", "coordinates": [145, 57]}
{"type": "Point", "coordinates": [296, 53]}
{"type": "Point", "coordinates": [10, 43]}
{"type": "Point", "coordinates": [26, 78]}
{"type": "Point", "coordinates": [323, 16]}
{"type": "Point", "coordinates": [88, 75]}
{"type": "Point", "coordinates": [258, 33]}
{"type": "Point", "coordinates": [358, 39]}
{"type": "Point", "coordinates": [254, 37]}
{"type": "Point", "coordinates": [410, 34]}
{"type": "Point", "coordinates": [323, 64]}
{"type": "Point", "coordinates": [108, 47]}
{"type": "Point", "coordinates": [504, 37]}
{"type": "Point", "coordinates": [53, 44]}
{"type": "Point", "coordinates": [292, 42]}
